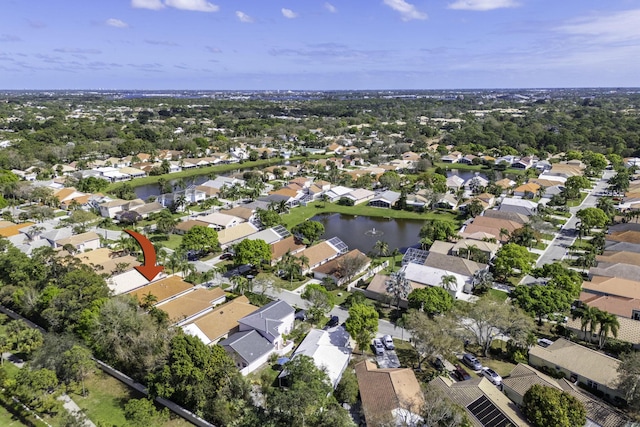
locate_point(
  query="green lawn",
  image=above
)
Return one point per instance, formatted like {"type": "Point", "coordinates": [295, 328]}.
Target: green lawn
{"type": "Point", "coordinates": [172, 242]}
{"type": "Point", "coordinates": [341, 295]}
{"type": "Point", "coordinates": [302, 213]}
{"type": "Point", "coordinates": [500, 295]}
{"type": "Point", "coordinates": [577, 202]}
{"type": "Point", "coordinates": [104, 404]}
{"type": "Point", "coordinates": [218, 169]}
{"type": "Point", "coordinates": [481, 168]}
{"type": "Point", "coordinates": [281, 283]}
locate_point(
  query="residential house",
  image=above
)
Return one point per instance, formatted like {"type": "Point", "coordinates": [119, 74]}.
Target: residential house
{"type": "Point", "coordinates": [190, 305]}
{"type": "Point", "coordinates": [161, 290]}
{"type": "Point", "coordinates": [491, 226]}
{"type": "Point", "coordinates": [528, 190]}
{"type": "Point", "coordinates": [80, 242]}
{"type": "Point", "coordinates": [337, 192]}
{"type": "Point", "coordinates": [147, 209]}
{"type": "Point", "coordinates": [232, 235]}
{"type": "Point", "coordinates": [390, 396]}
{"type": "Point", "coordinates": [329, 349]}
{"type": "Point", "coordinates": [506, 183]}
{"type": "Point", "coordinates": [509, 216]}
{"type": "Point", "coordinates": [221, 322]}
{"type": "Point", "coordinates": [522, 163]}
{"type": "Point", "coordinates": [525, 207]}
{"type": "Point", "coordinates": [271, 321]}
{"type": "Point", "coordinates": [285, 246]}
{"type": "Point", "coordinates": [422, 275]}
{"type": "Point", "coordinates": [106, 261]}
{"type": "Point", "coordinates": [476, 183]}
{"type": "Point", "coordinates": [221, 221]}
{"type": "Point", "coordinates": [483, 402]}
{"type": "Point", "coordinates": [447, 201]}
{"type": "Point", "coordinates": [337, 270]}
{"type": "Point", "coordinates": [319, 254]}
{"type": "Point", "coordinates": [593, 369]}
{"type": "Point", "coordinates": [523, 377]}
{"type": "Point", "coordinates": [270, 235]}
{"type": "Point", "coordinates": [470, 248]}
{"type": "Point", "coordinates": [452, 157]}
{"type": "Point", "coordinates": [388, 199]}
{"type": "Point", "coordinates": [109, 209]}
{"type": "Point", "coordinates": [468, 159]}
{"type": "Point", "coordinates": [246, 214]}
{"type": "Point", "coordinates": [616, 269]}
{"type": "Point", "coordinates": [248, 349]}
{"type": "Point", "coordinates": [454, 182]}
{"type": "Point", "coordinates": [360, 195]}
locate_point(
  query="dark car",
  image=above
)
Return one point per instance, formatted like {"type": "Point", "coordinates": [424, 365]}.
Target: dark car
{"type": "Point", "coordinates": [334, 321]}
{"type": "Point", "coordinates": [301, 315]}
{"type": "Point", "coordinates": [460, 374]}
{"type": "Point", "coordinates": [226, 255]}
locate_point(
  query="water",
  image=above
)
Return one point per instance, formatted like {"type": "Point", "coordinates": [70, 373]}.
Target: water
{"type": "Point", "coordinates": [363, 232]}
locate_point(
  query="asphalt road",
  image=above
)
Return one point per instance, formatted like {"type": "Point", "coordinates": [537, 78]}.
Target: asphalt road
{"type": "Point", "coordinates": [557, 249]}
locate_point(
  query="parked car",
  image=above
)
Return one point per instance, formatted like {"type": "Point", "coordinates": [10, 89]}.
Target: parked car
{"type": "Point", "coordinates": [471, 361]}
{"type": "Point", "coordinates": [492, 376]}
{"type": "Point", "coordinates": [300, 315]}
{"type": "Point", "coordinates": [378, 347]}
{"type": "Point", "coordinates": [334, 321]}
{"type": "Point", "coordinates": [460, 374]}
{"type": "Point", "coordinates": [438, 363]}
{"type": "Point", "coordinates": [226, 255]}
{"type": "Point", "coordinates": [388, 342]}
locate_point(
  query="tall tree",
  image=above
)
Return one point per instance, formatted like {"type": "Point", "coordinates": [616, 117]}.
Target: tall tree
{"type": "Point", "coordinates": [200, 238]}
{"type": "Point", "coordinates": [427, 338]}
{"type": "Point", "coordinates": [550, 407]}
{"type": "Point", "coordinates": [432, 300]}
{"type": "Point", "coordinates": [321, 300]}
{"type": "Point", "coordinates": [362, 324]}
{"type": "Point", "coordinates": [398, 287]}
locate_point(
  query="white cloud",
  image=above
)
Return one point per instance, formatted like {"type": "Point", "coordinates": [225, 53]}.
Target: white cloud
{"type": "Point", "coordinates": [213, 49]}
{"type": "Point", "coordinates": [407, 11]}
{"type": "Point", "coordinates": [113, 22]}
{"type": "Point", "coordinates": [147, 4]}
{"type": "Point", "coordinates": [193, 5]}
{"type": "Point", "coordinates": [331, 8]}
{"type": "Point", "coordinates": [618, 27]}
{"type": "Point", "coordinates": [288, 13]}
{"type": "Point", "coordinates": [482, 5]}
{"type": "Point", "coordinates": [243, 17]}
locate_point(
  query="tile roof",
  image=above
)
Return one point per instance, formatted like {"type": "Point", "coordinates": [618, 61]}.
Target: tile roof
{"type": "Point", "coordinates": [583, 361]}
{"type": "Point", "coordinates": [106, 260]}
{"type": "Point", "coordinates": [232, 234]}
{"type": "Point", "coordinates": [383, 390]}
{"type": "Point", "coordinates": [623, 271]}
{"type": "Point", "coordinates": [191, 303]}
{"type": "Point", "coordinates": [240, 212]}
{"type": "Point", "coordinates": [453, 264]}
{"type": "Point", "coordinates": [223, 319]}
{"type": "Point", "coordinates": [509, 216]}
{"type": "Point", "coordinates": [613, 286]}
{"type": "Point", "coordinates": [162, 289]}
{"type": "Point", "coordinates": [318, 253]}
{"type": "Point", "coordinates": [279, 249]}
{"type": "Point", "coordinates": [629, 236]}
{"type": "Point", "coordinates": [332, 268]}
{"type": "Point", "coordinates": [14, 230]}
{"type": "Point", "coordinates": [78, 238]}
{"type": "Point", "coordinates": [189, 224]}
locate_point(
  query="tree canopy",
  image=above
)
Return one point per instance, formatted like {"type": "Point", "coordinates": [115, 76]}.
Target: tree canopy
{"type": "Point", "coordinates": [200, 238]}
{"type": "Point", "coordinates": [432, 300]}
{"type": "Point", "coordinates": [253, 252]}
{"type": "Point", "coordinates": [550, 407]}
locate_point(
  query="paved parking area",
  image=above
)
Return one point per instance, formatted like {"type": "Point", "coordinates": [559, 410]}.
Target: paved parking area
{"type": "Point", "coordinates": [388, 360]}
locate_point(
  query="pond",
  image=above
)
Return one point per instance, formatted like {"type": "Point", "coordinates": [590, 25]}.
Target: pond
{"type": "Point", "coordinates": [361, 232]}
{"type": "Point", "coordinates": [145, 191]}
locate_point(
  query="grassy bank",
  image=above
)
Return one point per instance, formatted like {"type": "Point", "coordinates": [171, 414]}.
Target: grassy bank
{"type": "Point", "coordinates": [480, 168]}
{"type": "Point", "coordinates": [218, 169]}
{"type": "Point", "coordinates": [303, 213]}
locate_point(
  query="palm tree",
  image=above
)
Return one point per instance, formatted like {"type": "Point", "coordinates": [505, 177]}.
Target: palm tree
{"type": "Point", "coordinates": [381, 247]}
{"type": "Point", "coordinates": [608, 323]}
{"type": "Point", "coordinates": [482, 281]}
{"type": "Point", "coordinates": [398, 287]}
{"type": "Point", "coordinates": [148, 300]}
{"type": "Point", "coordinates": [588, 319]}
{"type": "Point", "coordinates": [449, 282]}
{"type": "Point", "coordinates": [504, 233]}
{"type": "Point", "coordinates": [240, 284]}
{"type": "Point", "coordinates": [394, 254]}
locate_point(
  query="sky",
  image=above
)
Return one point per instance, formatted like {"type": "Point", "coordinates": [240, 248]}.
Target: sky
{"type": "Point", "coordinates": [318, 44]}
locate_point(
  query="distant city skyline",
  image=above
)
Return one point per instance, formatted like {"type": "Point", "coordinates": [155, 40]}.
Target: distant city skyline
{"type": "Point", "coordinates": [318, 45]}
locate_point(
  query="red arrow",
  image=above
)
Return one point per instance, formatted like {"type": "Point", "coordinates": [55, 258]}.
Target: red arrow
{"type": "Point", "coordinates": [148, 269]}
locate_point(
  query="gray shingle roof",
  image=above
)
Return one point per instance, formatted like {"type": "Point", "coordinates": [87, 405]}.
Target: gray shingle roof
{"type": "Point", "coordinates": [453, 263]}
{"type": "Point", "coordinates": [249, 345]}
{"type": "Point", "coordinates": [266, 319]}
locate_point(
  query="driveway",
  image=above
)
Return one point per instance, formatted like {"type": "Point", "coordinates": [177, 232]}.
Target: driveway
{"type": "Point", "coordinates": [388, 360]}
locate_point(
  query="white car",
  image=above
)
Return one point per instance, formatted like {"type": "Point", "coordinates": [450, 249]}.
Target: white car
{"type": "Point", "coordinates": [492, 376]}
{"type": "Point", "coordinates": [388, 342]}
{"type": "Point", "coordinates": [378, 347]}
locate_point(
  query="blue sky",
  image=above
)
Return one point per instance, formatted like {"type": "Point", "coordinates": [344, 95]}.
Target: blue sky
{"type": "Point", "coordinates": [317, 44]}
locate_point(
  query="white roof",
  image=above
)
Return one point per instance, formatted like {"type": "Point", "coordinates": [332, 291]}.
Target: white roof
{"type": "Point", "coordinates": [126, 282]}
{"type": "Point", "coordinates": [361, 193]}
{"type": "Point", "coordinates": [560, 179]}
{"type": "Point", "coordinates": [455, 180]}
{"type": "Point", "coordinates": [220, 219]}
{"type": "Point", "coordinates": [431, 276]}
{"type": "Point", "coordinates": [519, 202]}
{"type": "Point", "coordinates": [340, 190]}
{"type": "Point", "coordinates": [329, 349]}
{"type": "Point", "coordinates": [193, 330]}
{"type": "Point", "coordinates": [268, 235]}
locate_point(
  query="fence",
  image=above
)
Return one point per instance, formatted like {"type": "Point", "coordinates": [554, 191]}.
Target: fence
{"type": "Point", "coordinates": [370, 273]}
